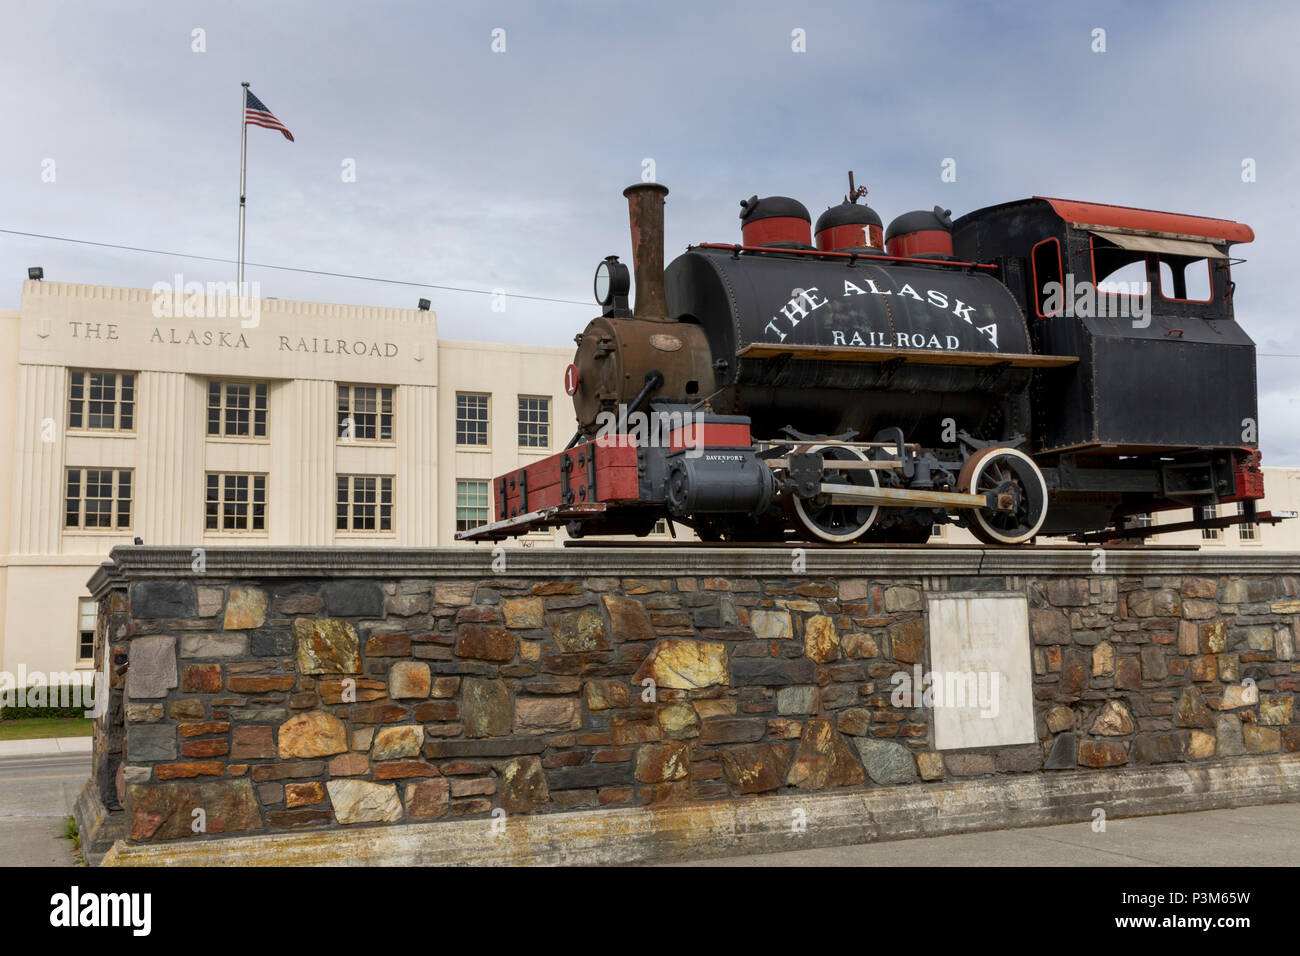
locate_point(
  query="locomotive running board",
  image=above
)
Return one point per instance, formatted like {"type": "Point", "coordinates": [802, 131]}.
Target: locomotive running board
{"type": "Point", "coordinates": [842, 353]}
{"type": "Point", "coordinates": [904, 497]}
{"type": "Point", "coordinates": [533, 519]}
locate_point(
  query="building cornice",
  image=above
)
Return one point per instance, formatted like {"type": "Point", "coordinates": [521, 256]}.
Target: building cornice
{"type": "Point", "coordinates": [145, 297]}
{"type": "Point", "coordinates": [547, 350]}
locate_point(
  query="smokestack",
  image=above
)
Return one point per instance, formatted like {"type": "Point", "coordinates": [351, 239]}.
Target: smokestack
{"type": "Point", "coordinates": [645, 205]}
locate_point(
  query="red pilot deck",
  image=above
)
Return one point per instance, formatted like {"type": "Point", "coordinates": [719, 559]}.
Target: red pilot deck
{"type": "Point", "coordinates": [603, 470]}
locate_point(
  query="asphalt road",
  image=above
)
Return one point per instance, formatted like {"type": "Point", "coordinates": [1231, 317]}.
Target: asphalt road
{"type": "Point", "coordinates": [36, 796]}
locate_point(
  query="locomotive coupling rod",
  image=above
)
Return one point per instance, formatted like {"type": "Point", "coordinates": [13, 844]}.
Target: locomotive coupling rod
{"type": "Point", "coordinates": [902, 497]}
{"type": "Point", "coordinates": [849, 465]}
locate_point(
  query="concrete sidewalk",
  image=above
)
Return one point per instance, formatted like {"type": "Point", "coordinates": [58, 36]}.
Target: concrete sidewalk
{"type": "Point", "coordinates": [45, 746]}
{"type": "Point", "coordinates": [1243, 836]}
{"type": "Point", "coordinates": [37, 795]}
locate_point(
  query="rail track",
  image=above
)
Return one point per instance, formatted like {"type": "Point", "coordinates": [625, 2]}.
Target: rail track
{"type": "Point", "coordinates": [870, 546]}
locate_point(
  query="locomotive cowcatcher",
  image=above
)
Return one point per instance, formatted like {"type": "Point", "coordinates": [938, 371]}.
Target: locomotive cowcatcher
{"type": "Point", "coordinates": [855, 384]}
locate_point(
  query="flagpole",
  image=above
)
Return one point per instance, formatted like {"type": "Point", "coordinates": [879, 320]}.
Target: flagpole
{"type": "Point", "coordinates": [243, 163]}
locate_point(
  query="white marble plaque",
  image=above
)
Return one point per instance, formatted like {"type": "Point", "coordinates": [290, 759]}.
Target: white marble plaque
{"type": "Point", "coordinates": [981, 681]}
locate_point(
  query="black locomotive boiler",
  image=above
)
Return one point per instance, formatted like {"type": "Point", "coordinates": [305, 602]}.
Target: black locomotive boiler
{"type": "Point", "coordinates": [1041, 367]}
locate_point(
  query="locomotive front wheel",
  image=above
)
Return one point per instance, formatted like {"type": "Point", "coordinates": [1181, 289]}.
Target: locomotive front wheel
{"type": "Point", "coordinates": [1012, 476]}
{"type": "Point", "coordinates": [817, 519]}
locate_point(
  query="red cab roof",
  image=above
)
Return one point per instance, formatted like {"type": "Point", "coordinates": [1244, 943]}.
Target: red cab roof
{"type": "Point", "coordinates": [1149, 220]}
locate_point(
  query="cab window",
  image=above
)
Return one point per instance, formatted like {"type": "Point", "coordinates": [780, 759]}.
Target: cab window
{"type": "Point", "coordinates": [1184, 278]}
{"type": "Point", "coordinates": [1046, 259]}
{"type": "Point", "coordinates": [1118, 271]}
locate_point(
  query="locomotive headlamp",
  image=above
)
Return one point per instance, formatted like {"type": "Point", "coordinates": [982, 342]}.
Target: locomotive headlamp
{"type": "Point", "coordinates": [613, 280]}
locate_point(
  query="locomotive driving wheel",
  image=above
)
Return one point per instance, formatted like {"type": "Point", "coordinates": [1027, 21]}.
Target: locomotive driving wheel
{"type": "Point", "coordinates": [1013, 477]}
{"type": "Point", "coordinates": [817, 519]}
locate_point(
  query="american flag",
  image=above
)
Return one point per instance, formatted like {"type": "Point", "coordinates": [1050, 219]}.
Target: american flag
{"type": "Point", "coordinates": [256, 113]}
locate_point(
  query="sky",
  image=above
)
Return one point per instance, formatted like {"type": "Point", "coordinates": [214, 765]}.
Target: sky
{"type": "Point", "coordinates": [489, 169]}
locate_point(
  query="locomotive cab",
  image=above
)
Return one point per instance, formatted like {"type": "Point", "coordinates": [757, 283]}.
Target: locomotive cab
{"type": "Point", "coordinates": [1160, 410]}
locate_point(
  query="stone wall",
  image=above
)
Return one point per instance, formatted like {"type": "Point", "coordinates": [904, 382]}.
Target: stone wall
{"type": "Point", "coordinates": [316, 688]}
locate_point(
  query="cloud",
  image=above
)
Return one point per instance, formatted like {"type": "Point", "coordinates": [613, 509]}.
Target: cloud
{"type": "Point", "coordinates": [490, 170]}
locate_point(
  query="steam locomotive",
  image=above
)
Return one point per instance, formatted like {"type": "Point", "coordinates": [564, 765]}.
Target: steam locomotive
{"type": "Point", "coordinates": [1040, 367]}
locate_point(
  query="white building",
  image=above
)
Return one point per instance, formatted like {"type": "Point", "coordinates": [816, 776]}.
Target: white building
{"type": "Point", "coordinates": [294, 423]}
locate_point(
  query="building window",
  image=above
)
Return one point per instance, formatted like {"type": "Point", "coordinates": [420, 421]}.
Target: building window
{"type": "Point", "coordinates": [1247, 530]}
{"type": "Point", "coordinates": [235, 502]}
{"type": "Point", "coordinates": [237, 409]}
{"type": "Point", "coordinates": [365, 413]}
{"type": "Point", "coordinates": [1208, 512]}
{"type": "Point", "coordinates": [471, 419]}
{"type": "Point", "coordinates": [85, 629]}
{"type": "Point", "coordinates": [102, 401]}
{"type": "Point", "coordinates": [471, 504]}
{"type": "Point", "coordinates": [364, 503]}
{"type": "Point", "coordinates": [534, 422]}
{"type": "Point", "coordinates": [98, 499]}
{"type": "Point", "coordinates": [1143, 520]}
